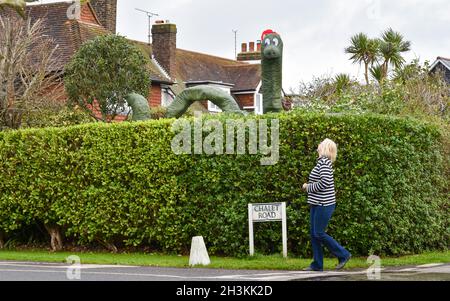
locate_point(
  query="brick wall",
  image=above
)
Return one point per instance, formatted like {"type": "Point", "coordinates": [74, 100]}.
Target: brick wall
{"type": "Point", "coordinates": [155, 96]}
{"type": "Point", "coordinates": [154, 99]}
{"type": "Point", "coordinates": [87, 15]}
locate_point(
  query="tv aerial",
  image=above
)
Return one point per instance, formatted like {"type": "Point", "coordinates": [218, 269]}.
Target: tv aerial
{"type": "Point", "coordinates": [149, 15]}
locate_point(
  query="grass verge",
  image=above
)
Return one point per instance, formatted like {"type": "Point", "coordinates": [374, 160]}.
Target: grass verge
{"type": "Point", "coordinates": [258, 262]}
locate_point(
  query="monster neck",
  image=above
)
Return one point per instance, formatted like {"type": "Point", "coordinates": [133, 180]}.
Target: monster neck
{"type": "Point", "coordinates": [272, 84]}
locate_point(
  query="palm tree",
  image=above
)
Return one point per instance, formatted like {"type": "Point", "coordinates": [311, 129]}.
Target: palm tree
{"type": "Point", "coordinates": [363, 50]}
{"type": "Point", "coordinates": [377, 73]}
{"type": "Point", "coordinates": [391, 47]}
{"type": "Point", "coordinates": [342, 82]}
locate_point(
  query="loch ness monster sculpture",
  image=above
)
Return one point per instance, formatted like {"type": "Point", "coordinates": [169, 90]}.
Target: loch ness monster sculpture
{"type": "Point", "coordinates": [271, 77]}
{"type": "Point", "coordinates": [271, 71]}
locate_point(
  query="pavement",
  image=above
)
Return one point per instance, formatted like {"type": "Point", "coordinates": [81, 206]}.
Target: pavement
{"type": "Point", "coordinates": [30, 271]}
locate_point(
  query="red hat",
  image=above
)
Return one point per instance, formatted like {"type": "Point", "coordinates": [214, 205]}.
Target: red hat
{"type": "Point", "coordinates": [266, 32]}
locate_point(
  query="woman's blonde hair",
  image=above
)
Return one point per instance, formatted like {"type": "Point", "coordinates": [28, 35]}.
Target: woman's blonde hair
{"type": "Point", "coordinates": [328, 149]}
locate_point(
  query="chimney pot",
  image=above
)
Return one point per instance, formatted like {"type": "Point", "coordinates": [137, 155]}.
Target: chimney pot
{"type": "Point", "coordinates": [252, 46]}
{"type": "Point", "coordinates": [258, 45]}
{"type": "Point", "coordinates": [244, 47]}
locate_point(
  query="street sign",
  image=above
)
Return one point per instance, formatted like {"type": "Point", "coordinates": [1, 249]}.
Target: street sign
{"type": "Point", "coordinates": [270, 212]}
{"type": "Point", "coordinates": [267, 212]}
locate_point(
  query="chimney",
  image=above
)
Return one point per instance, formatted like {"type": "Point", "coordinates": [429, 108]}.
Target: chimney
{"type": "Point", "coordinates": [164, 45]}
{"type": "Point", "coordinates": [251, 55]}
{"type": "Point", "coordinates": [106, 11]}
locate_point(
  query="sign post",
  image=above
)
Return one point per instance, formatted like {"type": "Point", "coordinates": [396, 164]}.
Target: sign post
{"type": "Point", "coordinates": [267, 212]}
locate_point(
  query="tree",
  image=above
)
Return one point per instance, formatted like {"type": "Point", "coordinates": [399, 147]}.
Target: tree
{"type": "Point", "coordinates": [29, 81]}
{"type": "Point", "coordinates": [391, 46]}
{"type": "Point", "coordinates": [103, 72]}
{"type": "Point", "coordinates": [386, 51]}
{"type": "Point", "coordinates": [377, 73]}
{"type": "Point", "coordinates": [363, 50]}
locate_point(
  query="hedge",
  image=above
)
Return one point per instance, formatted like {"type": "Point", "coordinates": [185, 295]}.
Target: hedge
{"type": "Point", "coordinates": [121, 184]}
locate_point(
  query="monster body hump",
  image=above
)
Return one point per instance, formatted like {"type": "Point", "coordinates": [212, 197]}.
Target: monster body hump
{"type": "Point", "coordinates": [271, 65]}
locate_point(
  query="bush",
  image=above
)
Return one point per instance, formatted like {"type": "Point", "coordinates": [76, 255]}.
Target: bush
{"type": "Point", "coordinates": [103, 72]}
{"type": "Point", "coordinates": [121, 184]}
{"type": "Point", "coordinates": [413, 91]}
{"type": "Point", "coordinates": [158, 112]}
{"type": "Point", "coordinates": [63, 117]}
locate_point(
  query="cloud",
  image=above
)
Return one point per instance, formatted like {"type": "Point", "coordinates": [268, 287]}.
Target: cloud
{"type": "Point", "coordinates": [314, 32]}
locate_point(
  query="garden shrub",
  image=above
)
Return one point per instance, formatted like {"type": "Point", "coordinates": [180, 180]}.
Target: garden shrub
{"type": "Point", "coordinates": [122, 184]}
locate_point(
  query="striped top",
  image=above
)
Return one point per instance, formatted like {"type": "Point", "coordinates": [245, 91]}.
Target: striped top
{"type": "Point", "coordinates": [321, 184]}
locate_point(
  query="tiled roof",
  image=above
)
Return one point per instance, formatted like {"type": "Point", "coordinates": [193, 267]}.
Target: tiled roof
{"type": "Point", "coordinates": [69, 34]}
{"type": "Point", "coordinates": [157, 74]}
{"type": "Point", "coordinates": [246, 77]}
{"type": "Point", "coordinates": [58, 26]}
{"type": "Point", "coordinates": [197, 67]}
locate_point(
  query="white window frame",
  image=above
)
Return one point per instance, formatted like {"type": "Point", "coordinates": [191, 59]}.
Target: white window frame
{"type": "Point", "coordinates": [213, 108]}
{"type": "Point", "coordinates": [166, 97]}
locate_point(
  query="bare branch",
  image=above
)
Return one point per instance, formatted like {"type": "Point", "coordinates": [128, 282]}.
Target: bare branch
{"type": "Point", "coordinates": [29, 76]}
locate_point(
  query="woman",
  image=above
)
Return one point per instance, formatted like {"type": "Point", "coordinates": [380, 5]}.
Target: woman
{"type": "Point", "coordinates": [322, 200]}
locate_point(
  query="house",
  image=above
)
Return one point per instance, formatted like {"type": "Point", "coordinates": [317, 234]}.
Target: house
{"type": "Point", "coordinates": [442, 64]}
{"type": "Point", "coordinates": [187, 69]}
{"type": "Point", "coordinates": [171, 69]}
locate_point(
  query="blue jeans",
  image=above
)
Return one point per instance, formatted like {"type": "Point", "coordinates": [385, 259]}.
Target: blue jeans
{"type": "Point", "coordinates": [320, 217]}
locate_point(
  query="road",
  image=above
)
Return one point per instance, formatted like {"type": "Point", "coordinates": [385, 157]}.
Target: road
{"type": "Point", "coordinates": [27, 271]}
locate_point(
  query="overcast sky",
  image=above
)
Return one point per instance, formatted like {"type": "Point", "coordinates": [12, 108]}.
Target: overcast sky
{"type": "Point", "coordinates": [315, 33]}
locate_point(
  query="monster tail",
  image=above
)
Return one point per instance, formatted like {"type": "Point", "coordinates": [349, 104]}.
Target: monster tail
{"type": "Point", "coordinates": [140, 107]}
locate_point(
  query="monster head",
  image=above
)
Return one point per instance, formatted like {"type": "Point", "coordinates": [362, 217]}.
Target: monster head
{"type": "Point", "coordinates": [272, 45]}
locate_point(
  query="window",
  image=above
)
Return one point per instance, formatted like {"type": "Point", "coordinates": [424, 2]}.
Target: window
{"type": "Point", "coordinates": [123, 110]}
{"type": "Point", "coordinates": [213, 108]}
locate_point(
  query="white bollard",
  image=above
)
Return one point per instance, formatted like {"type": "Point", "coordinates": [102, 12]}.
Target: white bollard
{"type": "Point", "coordinates": [199, 254]}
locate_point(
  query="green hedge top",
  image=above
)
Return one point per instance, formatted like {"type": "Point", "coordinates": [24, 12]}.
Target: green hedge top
{"type": "Point", "coordinates": [122, 184]}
